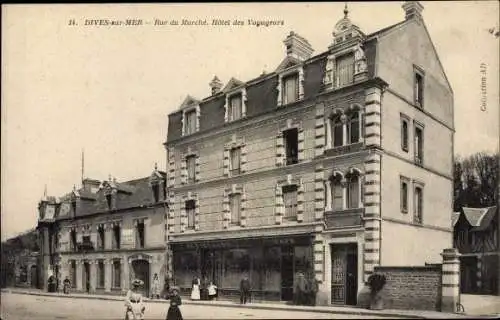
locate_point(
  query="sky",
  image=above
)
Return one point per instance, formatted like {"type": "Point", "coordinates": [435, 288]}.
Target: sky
{"type": "Point", "coordinates": [108, 90]}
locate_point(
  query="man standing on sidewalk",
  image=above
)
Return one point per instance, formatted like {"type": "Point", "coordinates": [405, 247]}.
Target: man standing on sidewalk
{"type": "Point", "coordinates": [244, 289]}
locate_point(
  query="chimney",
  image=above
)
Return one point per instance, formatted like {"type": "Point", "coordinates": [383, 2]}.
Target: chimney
{"type": "Point", "coordinates": [413, 9]}
{"type": "Point", "coordinates": [298, 47]}
{"type": "Point", "coordinates": [91, 185]}
{"type": "Point", "coordinates": [215, 85]}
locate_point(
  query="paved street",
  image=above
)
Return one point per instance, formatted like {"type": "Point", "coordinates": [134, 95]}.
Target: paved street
{"type": "Point", "coordinates": [19, 306]}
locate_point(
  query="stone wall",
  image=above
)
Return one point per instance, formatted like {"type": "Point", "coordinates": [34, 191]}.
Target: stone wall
{"type": "Point", "coordinates": [412, 287]}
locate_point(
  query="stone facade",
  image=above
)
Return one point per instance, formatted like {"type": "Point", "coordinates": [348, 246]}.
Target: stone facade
{"type": "Point", "coordinates": [338, 147]}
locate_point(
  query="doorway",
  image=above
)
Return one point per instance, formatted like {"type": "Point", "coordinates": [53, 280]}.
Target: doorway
{"type": "Point", "coordinates": [34, 276]}
{"type": "Point", "coordinates": [86, 277]}
{"type": "Point", "coordinates": [344, 283]}
{"type": "Point", "coordinates": [140, 270]}
{"type": "Point", "coordinates": [287, 273]}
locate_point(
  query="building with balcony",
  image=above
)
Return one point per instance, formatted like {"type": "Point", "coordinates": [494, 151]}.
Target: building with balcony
{"type": "Point", "coordinates": [106, 234]}
{"type": "Point", "coordinates": [475, 235]}
{"type": "Point", "coordinates": [330, 165]}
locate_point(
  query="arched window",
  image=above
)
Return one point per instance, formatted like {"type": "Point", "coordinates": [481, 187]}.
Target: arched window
{"type": "Point", "coordinates": [353, 190]}
{"type": "Point", "coordinates": [353, 128]}
{"type": "Point", "coordinates": [336, 192]}
{"type": "Point", "coordinates": [337, 130]}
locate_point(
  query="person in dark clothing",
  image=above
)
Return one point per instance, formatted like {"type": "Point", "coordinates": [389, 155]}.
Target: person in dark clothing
{"type": "Point", "coordinates": [244, 290]}
{"type": "Point", "coordinates": [66, 285]}
{"type": "Point", "coordinates": [204, 288]}
{"type": "Point", "coordinates": [174, 313]}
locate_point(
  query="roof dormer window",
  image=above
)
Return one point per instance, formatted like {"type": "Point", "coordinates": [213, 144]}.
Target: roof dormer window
{"type": "Point", "coordinates": [236, 95]}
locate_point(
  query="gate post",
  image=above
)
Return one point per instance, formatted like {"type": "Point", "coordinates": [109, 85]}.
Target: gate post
{"type": "Point", "coordinates": [450, 276]}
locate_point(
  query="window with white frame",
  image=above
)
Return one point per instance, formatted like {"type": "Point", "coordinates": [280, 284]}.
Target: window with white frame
{"type": "Point", "coordinates": [290, 89]}
{"type": "Point", "coordinates": [190, 122]}
{"type": "Point", "coordinates": [345, 70]}
{"type": "Point", "coordinates": [290, 201]}
{"type": "Point", "coordinates": [235, 107]}
{"type": "Point", "coordinates": [353, 190]}
{"type": "Point", "coordinates": [404, 133]}
{"type": "Point", "coordinates": [100, 274]}
{"type": "Point", "coordinates": [354, 127]}
{"type": "Point", "coordinates": [336, 189]}
{"type": "Point", "coordinates": [117, 272]}
{"type": "Point", "coordinates": [418, 204]}
{"type": "Point", "coordinates": [419, 144]}
{"type": "Point", "coordinates": [235, 207]}
{"type": "Point", "coordinates": [190, 206]}
{"type": "Point", "coordinates": [191, 168]}
{"type": "Point", "coordinates": [235, 161]}
{"type": "Point", "coordinates": [338, 131]}
{"type": "Point", "coordinates": [404, 194]}
{"type": "Point", "coordinates": [418, 92]}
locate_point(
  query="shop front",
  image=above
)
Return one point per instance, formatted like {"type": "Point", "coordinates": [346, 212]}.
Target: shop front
{"type": "Point", "coordinates": [270, 264]}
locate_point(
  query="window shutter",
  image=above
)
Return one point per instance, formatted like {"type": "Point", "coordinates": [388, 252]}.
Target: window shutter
{"type": "Point", "coordinates": [225, 162]}
{"type": "Point", "coordinates": [279, 208]}
{"type": "Point", "coordinates": [280, 150]}
{"type": "Point", "coordinates": [301, 145]}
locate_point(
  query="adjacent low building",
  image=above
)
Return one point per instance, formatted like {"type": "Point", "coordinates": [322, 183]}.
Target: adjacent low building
{"type": "Point", "coordinates": [106, 234]}
{"type": "Point", "coordinates": [476, 236]}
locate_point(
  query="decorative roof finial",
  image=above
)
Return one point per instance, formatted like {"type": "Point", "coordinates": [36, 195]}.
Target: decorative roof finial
{"type": "Point", "coordinates": [156, 166]}
{"type": "Point", "coordinates": [346, 11]}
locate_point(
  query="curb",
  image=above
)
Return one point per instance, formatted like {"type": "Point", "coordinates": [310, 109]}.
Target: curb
{"type": "Point", "coordinates": [231, 305]}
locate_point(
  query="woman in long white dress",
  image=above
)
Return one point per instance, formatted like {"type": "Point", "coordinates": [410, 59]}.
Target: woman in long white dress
{"type": "Point", "coordinates": [195, 292]}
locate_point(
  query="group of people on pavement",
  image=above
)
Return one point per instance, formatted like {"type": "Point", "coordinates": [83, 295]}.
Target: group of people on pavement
{"type": "Point", "coordinates": [134, 296]}
{"type": "Point", "coordinates": [305, 289]}
{"type": "Point", "coordinates": [203, 289]}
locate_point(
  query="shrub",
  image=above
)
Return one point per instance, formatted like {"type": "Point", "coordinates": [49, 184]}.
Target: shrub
{"type": "Point", "coordinates": [376, 282]}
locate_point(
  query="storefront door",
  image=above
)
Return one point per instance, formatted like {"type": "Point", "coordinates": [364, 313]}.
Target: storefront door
{"type": "Point", "coordinates": [344, 273]}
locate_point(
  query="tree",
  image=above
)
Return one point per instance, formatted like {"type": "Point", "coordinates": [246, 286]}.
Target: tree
{"type": "Point", "coordinates": [476, 180]}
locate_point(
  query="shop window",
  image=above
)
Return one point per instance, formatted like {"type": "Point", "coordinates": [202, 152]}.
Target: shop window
{"type": "Point", "coordinates": [72, 272]}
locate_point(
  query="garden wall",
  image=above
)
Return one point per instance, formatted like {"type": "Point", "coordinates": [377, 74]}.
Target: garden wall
{"type": "Point", "coordinates": [412, 287]}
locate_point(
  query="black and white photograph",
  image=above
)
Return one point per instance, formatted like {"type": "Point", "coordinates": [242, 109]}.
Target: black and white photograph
{"type": "Point", "coordinates": [291, 160]}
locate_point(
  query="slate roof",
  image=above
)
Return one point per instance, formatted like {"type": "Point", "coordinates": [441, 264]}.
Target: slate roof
{"type": "Point", "coordinates": [478, 218]}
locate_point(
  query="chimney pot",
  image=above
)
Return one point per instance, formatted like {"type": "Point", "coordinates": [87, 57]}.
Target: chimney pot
{"type": "Point", "coordinates": [297, 46]}
{"type": "Point", "coordinates": [215, 85]}
{"type": "Point", "coordinates": [413, 9]}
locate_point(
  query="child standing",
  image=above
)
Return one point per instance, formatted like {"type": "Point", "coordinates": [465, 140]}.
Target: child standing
{"type": "Point", "coordinates": [212, 291]}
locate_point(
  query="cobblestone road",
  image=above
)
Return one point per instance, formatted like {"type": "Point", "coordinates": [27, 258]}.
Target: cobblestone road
{"type": "Point", "coordinates": [19, 306]}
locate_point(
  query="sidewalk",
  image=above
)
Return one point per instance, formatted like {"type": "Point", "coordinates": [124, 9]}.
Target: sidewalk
{"type": "Point", "coordinates": [412, 314]}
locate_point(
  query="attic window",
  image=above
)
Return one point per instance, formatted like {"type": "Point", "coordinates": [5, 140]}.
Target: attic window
{"type": "Point", "coordinates": [190, 122]}
{"type": "Point", "coordinates": [108, 200]}
{"type": "Point", "coordinates": [290, 88]}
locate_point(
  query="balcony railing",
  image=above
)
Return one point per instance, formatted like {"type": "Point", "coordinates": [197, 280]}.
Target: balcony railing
{"type": "Point", "coordinates": [348, 148]}
{"type": "Point", "coordinates": [344, 218]}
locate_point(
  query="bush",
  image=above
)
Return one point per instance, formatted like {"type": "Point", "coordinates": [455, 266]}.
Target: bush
{"type": "Point", "coordinates": [376, 282]}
